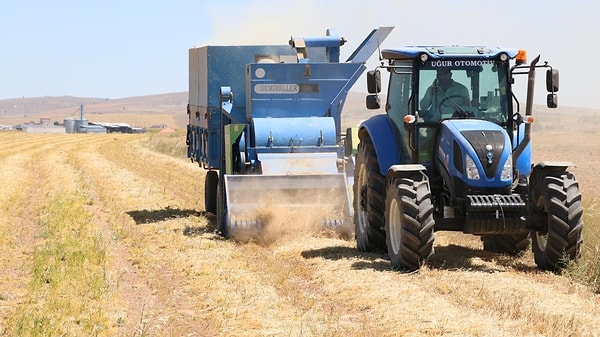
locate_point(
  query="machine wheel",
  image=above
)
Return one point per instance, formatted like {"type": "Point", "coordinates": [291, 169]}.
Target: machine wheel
{"type": "Point", "coordinates": [409, 222]}
{"type": "Point", "coordinates": [559, 198]}
{"type": "Point", "coordinates": [211, 183]}
{"type": "Point", "coordinates": [222, 223]}
{"type": "Point", "coordinates": [511, 244]}
{"type": "Point", "coordinates": [369, 188]}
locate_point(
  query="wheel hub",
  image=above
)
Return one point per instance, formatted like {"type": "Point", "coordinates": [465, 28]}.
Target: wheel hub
{"type": "Point", "coordinates": [395, 227]}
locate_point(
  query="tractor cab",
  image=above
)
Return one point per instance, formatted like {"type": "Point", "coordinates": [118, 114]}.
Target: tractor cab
{"type": "Point", "coordinates": [430, 84]}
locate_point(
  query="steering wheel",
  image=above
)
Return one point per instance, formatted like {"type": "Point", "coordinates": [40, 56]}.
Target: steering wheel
{"type": "Point", "coordinates": [458, 112]}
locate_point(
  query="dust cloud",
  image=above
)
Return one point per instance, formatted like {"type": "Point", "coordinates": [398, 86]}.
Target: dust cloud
{"type": "Point", "coordinates": [284, 214]}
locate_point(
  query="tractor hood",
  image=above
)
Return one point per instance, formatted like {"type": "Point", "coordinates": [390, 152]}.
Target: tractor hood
{"type": "Point", "coordinates": [475, 152]}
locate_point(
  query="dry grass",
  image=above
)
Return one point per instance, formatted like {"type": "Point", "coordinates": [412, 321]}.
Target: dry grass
{"type": "Point", "coordinates": [121, 216]}
{"type": "Point", "coordinates": [574, 135]}
{"type": "Point", "coordinates": [57, 241]}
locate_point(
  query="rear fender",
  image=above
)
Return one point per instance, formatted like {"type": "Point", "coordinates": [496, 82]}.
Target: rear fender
{"type": "Point", "coordinates": [381, 131]}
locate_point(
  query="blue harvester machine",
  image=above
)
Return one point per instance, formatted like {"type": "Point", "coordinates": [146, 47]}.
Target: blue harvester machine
{"type": "Point", "coordinates": [265, 121]}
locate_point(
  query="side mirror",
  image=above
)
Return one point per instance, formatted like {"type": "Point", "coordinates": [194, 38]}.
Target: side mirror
{"type": "Point", "coordinates": [552, 101]}
{"type": "Point", "coordinates": [374, 81]}
{"type": "Point", "coordinates": [552, 80]}
{"type": "Point", "coordinates": [373, 102]}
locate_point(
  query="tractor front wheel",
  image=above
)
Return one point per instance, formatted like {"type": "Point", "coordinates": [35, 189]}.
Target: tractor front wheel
{"type": "Point", "coordinates": [559, 198]}
{"type": "Point", "coordinates": [409, 222]}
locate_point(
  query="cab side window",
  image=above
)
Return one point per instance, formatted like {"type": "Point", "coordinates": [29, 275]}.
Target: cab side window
{"type": "Point", "coordinates": [399, 93]}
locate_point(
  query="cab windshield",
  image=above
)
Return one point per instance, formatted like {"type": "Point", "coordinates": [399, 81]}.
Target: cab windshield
{"type": "Point", "coordinates": [463, 88]}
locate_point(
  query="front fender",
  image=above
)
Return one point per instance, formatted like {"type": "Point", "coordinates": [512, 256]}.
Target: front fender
{"type": "Point", "coordinates": [540, 170]}
{"type": "Point", "coordinates": [405, 170]}
{"type": "Point", "coordinates": [380, 129]}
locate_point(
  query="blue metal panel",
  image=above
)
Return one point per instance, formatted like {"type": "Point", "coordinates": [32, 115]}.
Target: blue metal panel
{"type": "Point", "coordinates": [300, 90]}
{"type": "Point", "coordinates": [451, 132]}
{"type": "Point", "coordinates": [523, 162]}
{"type": "Point", "coordinates": [294, 132]}
{"type": "Point", "coordinates": [381, 130]}
{"type": "Point", "coordinates": [330, 44]}
{"type": "Point", "coordinates": [226, 66]}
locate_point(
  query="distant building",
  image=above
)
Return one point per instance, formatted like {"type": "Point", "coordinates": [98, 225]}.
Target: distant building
{"type": "Point", "coordinates": [90, 128]}
{"type": "Point", "coordinates": [37, 128]}
{"type": "Point", "coordinates": [69, 125]}
{"type": "Point", "coordinates": [118, 127]}
{"type": "Point", "coordinates": [44, 121]}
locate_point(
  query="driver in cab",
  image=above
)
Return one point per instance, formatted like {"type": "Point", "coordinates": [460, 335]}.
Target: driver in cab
{"type": "Point", "coordinates": [445, 95]}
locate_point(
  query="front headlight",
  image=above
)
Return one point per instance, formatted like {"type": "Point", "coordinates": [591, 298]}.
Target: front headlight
{"type": "Point", "coordinates": [471, 169]}
{"type": "Point", "coordinates": [507, 169]}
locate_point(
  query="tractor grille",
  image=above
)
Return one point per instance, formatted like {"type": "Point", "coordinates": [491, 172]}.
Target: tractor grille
{"type": "Point", "coordinates": [495, 202]}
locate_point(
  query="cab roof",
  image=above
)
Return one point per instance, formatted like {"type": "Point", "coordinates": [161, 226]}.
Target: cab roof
{"type": "Point", "coordinates": [442, 52]}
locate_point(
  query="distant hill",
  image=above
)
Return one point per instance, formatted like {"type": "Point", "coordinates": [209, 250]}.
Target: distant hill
{"type": "Point", "coordinates": [143, 111]}
{"type": "Point", "coordinates": [170, 109]}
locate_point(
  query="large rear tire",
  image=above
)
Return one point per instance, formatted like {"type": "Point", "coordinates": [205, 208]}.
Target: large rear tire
{"type": "Point", "coordinates": [409, 223]}
{"type": "Point", "coordinates": [559, 198]}
{"type": "Point", "coordinates": [369, 188]}
{"type": "Point", "coordinates": [511, 244]}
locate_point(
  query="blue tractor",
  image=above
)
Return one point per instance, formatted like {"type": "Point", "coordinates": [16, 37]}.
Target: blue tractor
{"type": "Point", "coordinates": [453, 152]}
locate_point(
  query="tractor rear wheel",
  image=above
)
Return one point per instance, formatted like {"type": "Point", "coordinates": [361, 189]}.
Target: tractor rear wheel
{"type": "Point", "coordinates": [409, 222]}
{"type": "Point", "coordinates": [559, 198]}
{"type": "Point", "coordinates": [511, 244]}
{"type": "Point", "coordinates": [369, 188]}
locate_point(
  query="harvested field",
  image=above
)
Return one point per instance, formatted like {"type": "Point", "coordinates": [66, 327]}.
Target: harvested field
{"type": "Point", "coordinates": [105, 235]}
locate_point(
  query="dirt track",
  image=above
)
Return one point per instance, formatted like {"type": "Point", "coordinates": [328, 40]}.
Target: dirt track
{"type": "Point", "coordinates": [168, 274]}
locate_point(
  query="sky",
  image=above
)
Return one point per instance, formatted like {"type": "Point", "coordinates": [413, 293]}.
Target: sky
{"type": "Point", "coordinates": [116, 49]}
